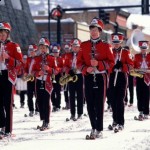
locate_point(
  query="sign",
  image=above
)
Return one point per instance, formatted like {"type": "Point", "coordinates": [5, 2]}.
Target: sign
{"type": "Point", "coordinates": [56, 13]}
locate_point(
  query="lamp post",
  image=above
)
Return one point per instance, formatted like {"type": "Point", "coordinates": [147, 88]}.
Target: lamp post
{"type": "Point", "coordinates": [49, 23]}
{"type": "Point", "coordinates": [56, 14]}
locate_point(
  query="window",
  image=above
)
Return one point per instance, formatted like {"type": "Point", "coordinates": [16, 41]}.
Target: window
{"type": "Point", "coordinates": [2, 2]}
{"type": "Point", "coordinates": [16, 4]}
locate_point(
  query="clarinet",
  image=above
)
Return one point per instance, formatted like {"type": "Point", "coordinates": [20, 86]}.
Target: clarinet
{"type": "Point", "coordinates": [93, 57]}
{"type": "Point", "coordinates": [43, 63]}
{"type": "Point", "coordinates": [55, 61]}
{"type": "Point", "coordinates": [116, 75]}
{"type": "Point", "coordinates": [1, 52]}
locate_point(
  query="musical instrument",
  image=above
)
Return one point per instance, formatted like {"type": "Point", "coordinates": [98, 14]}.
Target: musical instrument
{"type": "Point", "coordinates": [136, 36]}
{"type": "Point", "coordinates": [116, 75]}
{"type": "Point", "coordinates": [139, 72]}
{"type": "Point", "coordinates": [28, 77]}
{"type": "Point", "coordinates": [93, 57]}
{"type": "Point", "coordinates": [53, 76]}
{"type": "Point", "coordinates": [42, 68]}
{"type": "Point", "coordinates": [67, 78]}
{"type": "Point", "coordinates": [1, 53]}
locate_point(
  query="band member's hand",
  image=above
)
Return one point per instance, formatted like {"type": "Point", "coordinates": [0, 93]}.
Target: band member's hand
{"type": "Point", "coordinates": [5, 55]}
{"type": "Point", "coordinates": [1, 59]}
{"type": "Point", "coordinates": [25, 74]}
{"type": "Point", "coordinates": [118, 65]}
{"type": "Point", "coordinates": [94, 62]}
{"type": "Point", "coordinates": [41, 73]}
{"type": "Point", "coordinates": [46, 67]}
{"type": "Point", "coordinates": [56, 71]}
{"type": "Point", "coordinates": [90, 69]}
{"type": "Point", "coordinates": [71, 72]}
{"type": "Point", "coordinates": [32, 53]}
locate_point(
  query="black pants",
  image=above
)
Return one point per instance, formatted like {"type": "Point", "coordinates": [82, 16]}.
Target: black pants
{"type": "Point", "coordinates": [117, 94]}
{"type": "Point", "coordinates": [22, 97]}
{"type": "Point", "coordinates": [131, 89]}
{"type": "Point", "coordinates": [6, 102]}
{"type": "Point", "coordinates": [43, 101]}
{"type": "Point", "coordinates": [66, 93]}
{"type": "Point", "coordinates": [95, 98]}
{"type": "Point", "coordinates": [142, 91]}
{"type": "Point", "coordinates": [56, 93]}
{"type": "Point", "coordinates": [76, 92]}
{"type": "Point", "coordinates": [30, 94]}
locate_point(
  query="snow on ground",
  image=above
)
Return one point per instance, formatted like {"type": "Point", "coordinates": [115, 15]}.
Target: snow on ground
{"type": "Point", "coordinates": [71, 135]}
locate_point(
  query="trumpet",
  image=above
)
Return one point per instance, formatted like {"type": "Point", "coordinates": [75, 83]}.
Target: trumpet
{"type": "Point", "coordinates": [67, 78]}
{"type": "Point", "coordinates": [28, 77]}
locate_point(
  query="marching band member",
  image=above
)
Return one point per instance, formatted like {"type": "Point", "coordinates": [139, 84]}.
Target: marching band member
{"type": "Point", "coordinates": [10, 55]}
{"type": "Point", "coordinates": [130, 87]}
{"type": "Point", "coordinates": [21, 85]}
{"type": "Point", "coordinates": [56, 93]}
{"type": "Point", "coordinates": [67, 55]}
{"type": "Point", "coordinates": [142, 62]}
{"type": "Point", "coordinates": [118, 81]}
{"type": "Point", "coordinates": [95, 59]}
{"type": "Point", "coordinates": [32, 53]}
{"type": "Point", "coordinates": [75, 88]}
{"type": "Point", "coordinates": [43, 70]}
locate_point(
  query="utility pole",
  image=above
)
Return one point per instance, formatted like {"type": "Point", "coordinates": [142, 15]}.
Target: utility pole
{"type": "Point", "coordinates": [49, 23]}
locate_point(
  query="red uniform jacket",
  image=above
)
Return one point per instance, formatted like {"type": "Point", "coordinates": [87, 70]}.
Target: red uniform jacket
{"type": "Point", "coordinates": [126, 59]}
{"type": "Point", "coordinates": [104, 56]}
{"type": "Point", "coordinates": [138, 62]}
{"type": "Point", "coordinates": [37, 67]}
{"type": "Point", "coordinates": [14, 51]}
{"type": "Point", "coordinates": [67, 58]}
{"type": "Point", "coordinates": [28, 64]}
{"type": "Point", "coordinates": [58, 65]}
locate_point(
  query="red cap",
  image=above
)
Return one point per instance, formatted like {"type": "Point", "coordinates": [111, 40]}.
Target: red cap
{"type": "Point", "coordinates": [55, 48]}
{"type": "Point", "coordinates": [66, 47]}
{"type": "Point", "coordinates": [5, 26]}
{"type": "Point", "coordinates": [117, 37]}
{"type": "Point", "coordinates": [144, 44]}
{"type": "Point", "coordinates": [96, 22]}
{"type": "Point", "coordinates": [75, 42]}
{"type": "Point", "coordinates": [44, 41]}
{"type": "Point", "coordinates": [33, 47]}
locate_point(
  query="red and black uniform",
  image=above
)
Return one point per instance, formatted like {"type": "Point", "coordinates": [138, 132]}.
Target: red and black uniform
{"type": "Point", "coordinates": [21, 86]}
{"type": "Point", "coordinates": [31, 86]}
{"type": "Point", "coordinates": [95, 83]}
{"type": "Point", "coordinates": [75, 88]}
{"type": "Point", "coordinates": [44, 85]}
{"type": "Point", "coordinates": [131, 90]}
{"type": "Point", "coordinates": [117, 92]}
{"type": "Point", "coordinates": [142, 84]}
{"type": "Point", "coordinates": [65, 58]}
{"type": "Point", "coordinates": [56, 93]}
{"type": "Point", "coordinates": [7, 81]}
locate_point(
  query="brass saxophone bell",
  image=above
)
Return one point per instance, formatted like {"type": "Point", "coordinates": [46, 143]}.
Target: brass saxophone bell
{"type": "Point", "coordinates": [67, 78]}
{"type": "Point", "coordinates": [27, 78]}
{"type": "Point", "coordinates": [136, 74]}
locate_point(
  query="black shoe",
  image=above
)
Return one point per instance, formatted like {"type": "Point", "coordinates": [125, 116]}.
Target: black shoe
{"type": "Point", "coordinates": [31, 113]}
{"type": "Point", "coordinates": [22, 105]}
{"type": "Point", "coordinates": [73, 118]}
{"type": "Point", "coordinates": [79, 116]}
{"type": "Point", "coordinates": [45, 126]}
{"type": "Point", "coordinates": [120, 127]}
